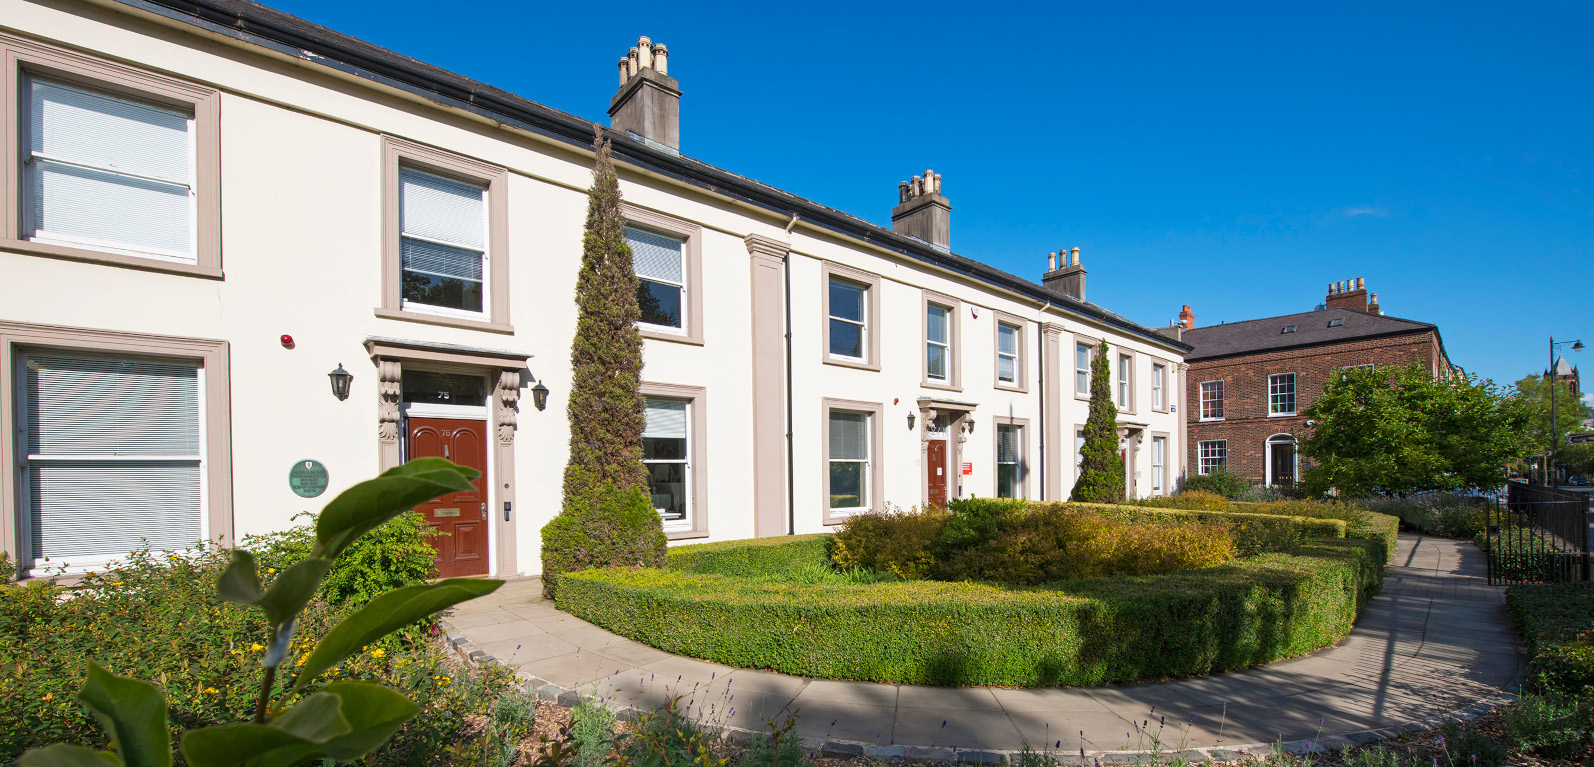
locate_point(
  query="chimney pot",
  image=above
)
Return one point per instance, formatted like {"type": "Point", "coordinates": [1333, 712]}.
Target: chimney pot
{"type": "Point", "coordinates": [661, 59]}
{"type": "Point", "coordinates": [1073, 258]}
{"type": "Point", "coordinates": [1361, 284]}
{"type": "Point", "coordinates": [1051, 261]}
{"type": "Point", "coordinates": [644, 53]}
{"type": "Point", "coordinates": [1187, 318]}
{"type": "Point", "coordinates": [631, 60]}
{"type": "Point", "coordinates": [625, 69]}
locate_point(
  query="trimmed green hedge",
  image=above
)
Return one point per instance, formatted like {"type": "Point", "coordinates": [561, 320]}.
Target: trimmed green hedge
{"type": "Point", "coordinates": [1557, 625]}
{"type": "Point", "coordinates": [1360, 523]}
{"type": "Point", "coordinates": [1306, 526]}
{"type": "Point", "coordinates": [753, 557]}
{"type": "Point", "coordinates": [1087, 632]}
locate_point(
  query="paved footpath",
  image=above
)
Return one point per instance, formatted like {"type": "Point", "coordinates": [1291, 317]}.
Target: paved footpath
{"type": "Point", "coordinates": [1435, 641]}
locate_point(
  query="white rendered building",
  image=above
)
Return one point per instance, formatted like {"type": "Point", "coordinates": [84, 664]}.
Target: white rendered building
{"type": "Point", "coordinates": [211, 204]}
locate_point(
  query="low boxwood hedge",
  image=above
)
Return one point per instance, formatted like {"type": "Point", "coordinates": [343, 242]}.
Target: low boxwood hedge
{"type": "Point", "coordinates": [1087, 632]}
{"type": "Point", "coordinates": [752, 558]}
{"type": "Point", "coordinates": [1306, 527]}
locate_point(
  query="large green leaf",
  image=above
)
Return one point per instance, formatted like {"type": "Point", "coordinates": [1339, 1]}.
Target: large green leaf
{"type": "Point", "coordinates": [133, 713]}
{"type": "Point", "coordinates": [387, 613]}
{"type": "Point", "coordinates": [240, 582]}
{"type": "Point", "coordinates": [63, 755]}
{"type": "Point", "coordinates": [344, 721]}
{"type": "Point", "coordinates": [293, 589]}
{"type": "Point", "coordinates": [368, 504]}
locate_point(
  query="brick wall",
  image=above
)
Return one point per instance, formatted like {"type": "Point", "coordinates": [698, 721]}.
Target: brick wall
{"type": "Point", "coordinates": [1246, 424]}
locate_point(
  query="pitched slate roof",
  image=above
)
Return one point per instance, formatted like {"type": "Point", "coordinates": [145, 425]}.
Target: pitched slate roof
{"type": "Point", "coordinates": [261, 25]}
{"type": "Point", "coordinates": [1311, 329]}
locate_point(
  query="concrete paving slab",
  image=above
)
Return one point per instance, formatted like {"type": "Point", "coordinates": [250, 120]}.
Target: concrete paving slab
{"type": "Point", "coordinates": [497, 632]}
{"type": "Point", "coordinates": [948, 698]}
{"type": "Point", "coordinates": [477, 618]}
{"type": "Point", "coordinates": [964, 730]}
{"type": "Point", "coordinates": [866, 693]}
{"type": "Point", "coordinates": [1051, 699]}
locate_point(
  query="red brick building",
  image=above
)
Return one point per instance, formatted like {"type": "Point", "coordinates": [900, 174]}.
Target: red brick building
{"type": "Point", "coordinates": [1249, 381]}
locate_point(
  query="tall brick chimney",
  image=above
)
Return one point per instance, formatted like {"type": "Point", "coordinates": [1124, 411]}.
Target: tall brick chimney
{"type": "Point", "coordinates": [1186, 318]}
{"type": "Point", "coordinates": [1069, 279]}
{"type": "Point", "coordinates": [922, 212]}
{"type": "Point", "coordinates": [1347, 294]}
{"type": "Point", "coordinates": [648, 104]}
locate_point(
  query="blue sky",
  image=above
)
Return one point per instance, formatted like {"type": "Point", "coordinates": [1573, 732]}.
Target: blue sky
{"type": "Point", "coordinates": [1236, 158]}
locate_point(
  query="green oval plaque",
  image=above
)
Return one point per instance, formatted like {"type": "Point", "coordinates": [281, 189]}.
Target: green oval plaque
{"type": "Point", "coordinates": [307, 478]}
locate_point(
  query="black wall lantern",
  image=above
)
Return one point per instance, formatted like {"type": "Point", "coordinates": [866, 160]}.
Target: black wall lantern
{"type": "Point", "coordinates": [340, 382]}
{"type": "Point", "coordinates": [539, 396]}
{"type": "Point", "coordinates": [911, 419]}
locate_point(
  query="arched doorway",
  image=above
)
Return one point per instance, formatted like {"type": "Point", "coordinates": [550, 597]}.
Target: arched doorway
{"type": "Point", "coordinates": [1283, 463]}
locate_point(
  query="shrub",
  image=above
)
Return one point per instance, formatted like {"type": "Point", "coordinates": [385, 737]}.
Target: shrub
{"type": "Point", "coordinates": [592, 726]}
{"type": "Point", "coordinates": [903, 544]}
{"type": "Point", "coordinates": [1545, 726]}
{"type": "Point", "coordinates": [755, 557]}
{"type": "Point", "coordinates": [1083, 632]}
{"type": "Point", "coordinates": [612, 528]}
{"type": "Point", "coordinates": [1359, 522]}
{"type": "Point", "coordinates": [1252, 533]}
{"type": "Point", "coordinates": [1101, 469]}
{"type": "Point", "coordinates": [394, 555]}
{"type": "Point", "coordinates": [1194, 500]}
{"type": "Point", "coordinates": [1557, 625]}
{"type": "Point", "coordinates": [1446, 515]}
{"type": "Point", "coordinates": [1467, 747]}
{"type": "Point", "coordinates": [8, 569]}
{"type": "Point", "coordinates": [1025, 543]}
{"type": "Point", "coordinates": [780, 747]}
{"type": "Point", "coordinates": [1220, 481]}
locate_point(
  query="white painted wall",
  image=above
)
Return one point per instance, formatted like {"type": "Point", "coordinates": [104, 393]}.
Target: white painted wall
{"type": "Point", "coordinates": [301, 181]}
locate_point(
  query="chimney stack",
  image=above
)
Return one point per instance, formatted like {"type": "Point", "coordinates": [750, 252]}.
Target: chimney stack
{"type": "Point", "coordinates": [1069, 279]}
{"type": "Point", "coordinates": [648, 104]}
{"type": "Point", "coordinates": [922, 212]}
{"type": "Point", "coordinates": [1186, 318]}
{"type": "Point", "coordinates": [1348, 294]}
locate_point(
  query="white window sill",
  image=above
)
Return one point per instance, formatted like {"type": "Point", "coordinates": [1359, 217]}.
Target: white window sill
{"type": "Point", "coordinates": [445, 321]}
{"type": "Point", "coordinates": [851, 362]}
{"type": "Point", "coordinates": [1281, 415]}
{"type": "Point", "coordinates": [1211, 420]}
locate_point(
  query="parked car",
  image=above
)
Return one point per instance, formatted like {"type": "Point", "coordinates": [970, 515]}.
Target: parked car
{"type": "Point", "coordinates": [1579, 480]}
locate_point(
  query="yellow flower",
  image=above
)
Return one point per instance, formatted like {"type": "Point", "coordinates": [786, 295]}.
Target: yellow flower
{"type": "Point", "coordinates": [446, 680]}
{"type": "Point", "coordinates": [208, 691]}
{"type": "Point", "coordinates": [49, 696]}
{"type": "Point", "coordinates": [256, 647]}
{"type": "Point", "coordinates": [378, 652]}
{"type": "Point", "coordinates": [302, 659]}
{"type": "Point", "coordinates": [236, 652]}
{"type": "Point", "coordinates": [271, 571]}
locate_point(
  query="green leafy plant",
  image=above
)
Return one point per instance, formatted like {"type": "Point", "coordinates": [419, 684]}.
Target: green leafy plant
{"type": "Point", "coordinates": [1220, 481]}
{"type": "Point", "coordinates": [396, 554]}
{"type": "Point", "coordinates": [592, 726]}
{"type": "Point", "coordinates": [1101, 469]}
{"type": "Point", "coordinates": [1544, 725]}
{"type": "Point", "coordinates": [780, 747]}
{"type": "Point", "coordinates": [341, 720]}
{"type": "Point", "coordinates": [608, 518]}
{"type": "Point", "coordinates": [1465, 747]}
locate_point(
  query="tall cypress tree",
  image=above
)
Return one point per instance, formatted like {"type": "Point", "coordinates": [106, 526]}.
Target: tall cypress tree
{"type": "Point", "coordinates": [1101, 475]}
{"type": "Point", "coordinates": [607, 519]}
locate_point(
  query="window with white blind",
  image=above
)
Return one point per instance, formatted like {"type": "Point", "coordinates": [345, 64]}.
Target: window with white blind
{"type": "Point", "coordinates": [107, 172]}
{"type": "Point", "coordinates": [443, 243]}
{"type": "Point", "coordinates": [1126, 369]}
{"type": "Point", "coordinates": [1159, 460]}
{"type": "Point", "coordinates": [666, 451]}
{"type": "Point", "coordinates": [1159, 380]}
{"type": "Point", "coordinates": [849, 476]}
{"type": "Point", "coordinates": [1009, 461]}
{"type": "Point", "coordinates": [1007, 354]}
{"type": "Point", "coordinates": [113, 457]}
{"type": "Point", "coordinates": [660, 264]}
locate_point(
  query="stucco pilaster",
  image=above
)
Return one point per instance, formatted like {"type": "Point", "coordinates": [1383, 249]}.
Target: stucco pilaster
{"type": "Point", "coordinates": [1052, 403]}
{"type": "Point", "coordinates": [767, 294]}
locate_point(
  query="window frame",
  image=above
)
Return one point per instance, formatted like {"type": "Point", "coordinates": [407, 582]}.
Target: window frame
{"type": "Point", "coordinates": [954, 334]}
{"type": "Point", "coordinates": [1020, 357]}
{"type": "Point", "coordinates": [1221, 399]}
{"type": "Point", "coordinates": [646, 219]}
{"type": "Point", "coordinates": [397, 153]}
{"type": "Point", "coordinates": [1221, 446]}
{"type": "Point", "coordinates": [1160, 488]}
{"type": "Point", "coordinates": [19, 339]}
{"type": "Point", "coordinates": [1159, 390]}
{"type": "Point", "coordinates": [1024, 472]}
{"type": "Point", "coordinates": [1092, 345]}
{"type": "Point", "coordinates": [875, 482]}
{"type": "Point", "coordinates": [696, 398]}
{"type": "Point", "coordinates": [870, 283]}
{"type": "Point", "coordinates": [1125, 387]}
{"type": "Point", "coordinates": [1272, 393]}
{"type": "Point", "coordinates": [26, 58]}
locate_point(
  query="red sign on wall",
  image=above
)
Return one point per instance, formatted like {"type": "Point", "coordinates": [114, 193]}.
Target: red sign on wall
{"type": "Point", "coordinates": [968, 467]}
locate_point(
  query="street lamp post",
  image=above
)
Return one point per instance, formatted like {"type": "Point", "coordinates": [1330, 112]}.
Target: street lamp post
{"type": "Point", "coordinates": [1555, 425]}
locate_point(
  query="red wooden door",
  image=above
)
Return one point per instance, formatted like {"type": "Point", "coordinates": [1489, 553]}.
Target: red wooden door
{"type": "Point", "coordinates": [461, 516]}
{"type": "Point", "coordinates": [935, 454]}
